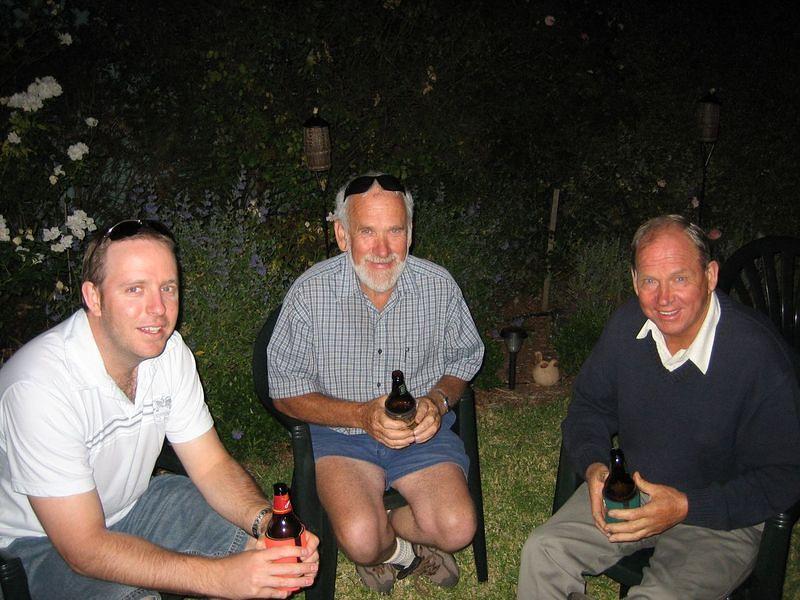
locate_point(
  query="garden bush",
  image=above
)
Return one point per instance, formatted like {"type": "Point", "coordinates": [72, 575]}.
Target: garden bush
{"type": "Point", "coordinates": [483, 110]}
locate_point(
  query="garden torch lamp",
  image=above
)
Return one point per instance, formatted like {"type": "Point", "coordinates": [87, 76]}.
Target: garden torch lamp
{"type": "Point", "coordinates": [708, 126]}
{"type": "Point", "coordinates": [513, 337]}
{"type": "Point", "coordinates": [317, 151]}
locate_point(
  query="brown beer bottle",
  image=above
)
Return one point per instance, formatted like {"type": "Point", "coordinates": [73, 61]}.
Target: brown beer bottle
{"type": "Point", "coordinates": [619, 490]}
{"type": "Point", "coordinates": [284, 528]}
{"type": "Point", "coordinates": [400, 404]}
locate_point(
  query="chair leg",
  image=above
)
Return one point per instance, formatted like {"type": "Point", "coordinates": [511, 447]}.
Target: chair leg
{"type": "Point", "coordinates": [324, 587]}
{"type": "Point", "coordinates": [475, 489]}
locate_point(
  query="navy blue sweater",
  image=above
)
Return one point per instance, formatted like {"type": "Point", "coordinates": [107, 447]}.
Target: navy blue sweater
{"type": "Point", "coordinates": [729, 439]}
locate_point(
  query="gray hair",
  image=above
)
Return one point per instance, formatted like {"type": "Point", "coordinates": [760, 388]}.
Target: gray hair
{"type": "Point", "coordinates": [648, 230]}
{"type": "Point", "coordinates": [342, 211]}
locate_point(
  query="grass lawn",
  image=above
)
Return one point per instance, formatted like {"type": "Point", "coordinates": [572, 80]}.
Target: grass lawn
{"type": "Point", "coordinates": [519, 443]}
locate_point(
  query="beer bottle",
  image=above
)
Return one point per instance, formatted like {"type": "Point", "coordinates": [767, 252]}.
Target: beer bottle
{"type": "Point", "coordinates": [284, 528]}
{"type": "Point", "coordinates": [619, 490]}
{"type": "Point", "coordinates": [400, 404]}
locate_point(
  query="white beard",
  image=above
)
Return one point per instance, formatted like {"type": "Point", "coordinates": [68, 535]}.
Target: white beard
{"type": "Point", "coordinates": [386, 281]}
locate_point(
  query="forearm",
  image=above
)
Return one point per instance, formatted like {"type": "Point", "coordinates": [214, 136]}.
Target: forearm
{"type": "Point", "coordinates": [324, 410]}
{"type": "Point", "coordinates": [134, 561]}
{"type": "Point", "coordinates": [449, 386]}
{"type": "Point", "coordinates": [233, 493]}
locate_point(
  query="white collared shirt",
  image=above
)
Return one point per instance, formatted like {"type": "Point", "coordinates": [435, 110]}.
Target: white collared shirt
{"type": "Point", "coordinates": [66, 428]}
{"type": "Point", "coordinates": [699, 351]}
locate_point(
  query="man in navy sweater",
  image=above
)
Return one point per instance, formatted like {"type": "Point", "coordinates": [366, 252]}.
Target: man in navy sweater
{"type": "Point", "coordinates": [703, 396]}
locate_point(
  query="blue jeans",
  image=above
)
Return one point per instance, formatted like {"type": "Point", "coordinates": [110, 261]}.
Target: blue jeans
{"type": "Point", "coordinates": [171, 513]}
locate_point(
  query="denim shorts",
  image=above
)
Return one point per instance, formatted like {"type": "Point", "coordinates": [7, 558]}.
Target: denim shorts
{"type": "Point", "coordinates": [443, 447]}
{"type": "Point", "coordinates": [171, 513]}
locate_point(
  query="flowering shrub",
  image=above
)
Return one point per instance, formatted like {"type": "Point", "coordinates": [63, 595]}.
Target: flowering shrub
{"type": "Point", "coordinates": [40, 275]}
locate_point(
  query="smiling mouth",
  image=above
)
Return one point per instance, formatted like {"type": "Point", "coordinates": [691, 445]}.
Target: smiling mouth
{"type": "Point", "coordinates": [151, 330]}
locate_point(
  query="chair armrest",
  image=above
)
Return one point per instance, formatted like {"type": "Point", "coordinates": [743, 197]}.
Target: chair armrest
{"type": "Point", "coordinates": [770, 570]}
{"type": "Point", "coordinates": [567, 480]}
{"type": "Point", "coordinates": [13, 580]}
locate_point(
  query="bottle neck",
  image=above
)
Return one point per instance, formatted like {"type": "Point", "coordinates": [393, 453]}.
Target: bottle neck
{"type": "Point", "coordinates": [281, 504]}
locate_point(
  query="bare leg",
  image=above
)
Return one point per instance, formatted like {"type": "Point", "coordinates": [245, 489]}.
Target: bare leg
{"type": "Point", "coordinates": [440, 511]}
{"type": "Point", "coordinates": [351, 491]}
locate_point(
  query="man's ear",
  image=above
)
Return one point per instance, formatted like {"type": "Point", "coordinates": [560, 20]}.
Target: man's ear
{"type": "Point", "coordinates": [91, 297]}
{"type": "Point", "coordinates": [712, 273]}
{"type": "Point", "coordinates": [633, 279]}
{"type": "Point", "coordinates": [342, 239]}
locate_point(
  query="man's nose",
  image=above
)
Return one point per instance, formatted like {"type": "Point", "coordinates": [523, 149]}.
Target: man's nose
{"type": "Point", "coordinates": [664, 294]}
{"type": "Point", "coordinates": [155, 304]}
{"type": "Point", "coordinates": [382, 246]}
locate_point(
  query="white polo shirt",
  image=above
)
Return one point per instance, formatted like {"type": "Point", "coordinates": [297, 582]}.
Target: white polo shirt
{"type": "Point", "coordinates": [66, 427]}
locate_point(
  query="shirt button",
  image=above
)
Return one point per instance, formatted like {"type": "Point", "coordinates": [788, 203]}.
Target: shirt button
{"type": "Point", "coordinates": [379, 384]}
{"type": "Point", "coordinates": [380, 351]}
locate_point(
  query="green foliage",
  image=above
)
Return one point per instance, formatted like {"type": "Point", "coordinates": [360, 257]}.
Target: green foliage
{"type": "Point", "coordinates": [599, 281]}
{"type": "Point", "coordinates": [483, 110]}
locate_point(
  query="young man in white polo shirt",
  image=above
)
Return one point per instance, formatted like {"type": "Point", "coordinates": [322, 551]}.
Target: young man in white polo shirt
{"type": "Point", "coordinates": [84, 410]}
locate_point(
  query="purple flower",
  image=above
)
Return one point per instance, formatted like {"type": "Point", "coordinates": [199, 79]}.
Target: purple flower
{"type": "Point", "coordinates": [237, 434]}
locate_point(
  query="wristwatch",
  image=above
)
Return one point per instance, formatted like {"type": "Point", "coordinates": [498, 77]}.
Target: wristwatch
{"type": "Point", "coordinates": [445, 400]}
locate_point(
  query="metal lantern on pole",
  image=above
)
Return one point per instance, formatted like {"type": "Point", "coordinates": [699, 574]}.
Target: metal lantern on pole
{"type": "Point", "coordinates": [708, 133]}
{"type": "Point", "coordinates": [317, 150]}
{"type": "Point", "coordinates": [513, 337]}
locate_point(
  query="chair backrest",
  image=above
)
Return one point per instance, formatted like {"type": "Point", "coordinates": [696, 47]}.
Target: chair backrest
{"type": "Point", "coordinates": [765, 275]}
{"type": "Point", "coordinates": [260, 372]}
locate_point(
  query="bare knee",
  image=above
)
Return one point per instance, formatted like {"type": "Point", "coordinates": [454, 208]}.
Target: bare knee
{"type": "Point", "coordinates": [365, 541]}
{"type": "Point", "coordinates": [452, 528]}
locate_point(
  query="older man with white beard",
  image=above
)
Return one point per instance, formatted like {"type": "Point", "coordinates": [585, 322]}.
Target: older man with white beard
{"type": "Point", "coordinates": [346, 324]}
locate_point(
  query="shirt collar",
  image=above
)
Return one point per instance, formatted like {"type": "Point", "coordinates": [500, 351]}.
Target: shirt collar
{"type": "Point", "coordinates": [699, 351]}
{"type": "Point", "coordinates": [84, 359]}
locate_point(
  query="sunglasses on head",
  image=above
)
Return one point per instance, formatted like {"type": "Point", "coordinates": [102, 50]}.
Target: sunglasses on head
{"type": "Point", "coordinates": [130, 227]}
{"type": "Point", "coordinates": [359, 185]}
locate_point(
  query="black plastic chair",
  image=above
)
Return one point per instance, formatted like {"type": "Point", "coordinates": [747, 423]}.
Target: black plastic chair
{"type": "Point", "coordinates": [304, 488]}
{"type": "Point", "coordinates": [765, 274]}
{"type": "Point", "coordinates": [14, 581]}
{"type": "Point", "coordinates": [761, 274]}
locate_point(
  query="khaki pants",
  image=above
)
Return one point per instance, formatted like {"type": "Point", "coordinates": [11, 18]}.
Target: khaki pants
{"type": "Point", "coordinates": [688, 562]}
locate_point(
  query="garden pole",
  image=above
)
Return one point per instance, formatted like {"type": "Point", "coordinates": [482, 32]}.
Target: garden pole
{"type": "Point", "coordinates": [551, 242]}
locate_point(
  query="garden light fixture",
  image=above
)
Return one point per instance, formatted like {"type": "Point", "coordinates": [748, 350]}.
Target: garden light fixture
{"type": "Point", "coordinates": [708, 129]}
{"type": "Point", "coordinates": [317, 151]}
{"type": "Point", "coordinates": [513, 337]}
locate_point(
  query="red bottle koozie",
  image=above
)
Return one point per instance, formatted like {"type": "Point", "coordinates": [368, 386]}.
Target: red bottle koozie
{"type": "Point", "coordinates": [272, 543]}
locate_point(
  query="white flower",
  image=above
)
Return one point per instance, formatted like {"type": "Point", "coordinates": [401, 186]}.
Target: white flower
{"type": "Point", "coordinates": [60, 285]}
{"type": "Point", "coordinates": [79, 223]}
{"type": "Point", "coordinates": [48, 235]}
{"type": "Point", "coordinates": [46, 87]}
{"type": "Point", "coordinates": [25, 101]}
{"type": "Point", "coordinates": [13, 138]}
{"type": "Point", "coordinates": [17, 240]}
{"type": "Point", "coordinates": [37, 259]}
{"type": "Point", "coordinates": [5, 233]}
{"type": "Point", "coordinates": [31, 99]}
{"type": "Point", "coordinates": [65, 39]}
{"type": "Point", "coordinates": [29, 234]}
{"type": "Point", "coordinates": [53, 179]}
{"type": "Point", "coordinates": [58, 170]}
{"type": "Point", "coordinates": [77, 151]}
{"type": "Point", "coordinates": [64, 243]}
{"type": "Point", "coordinates": [91, 121]}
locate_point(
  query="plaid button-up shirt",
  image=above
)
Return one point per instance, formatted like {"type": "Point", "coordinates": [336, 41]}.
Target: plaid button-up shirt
{"type": "Point", "coordinates": [330, 339]}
